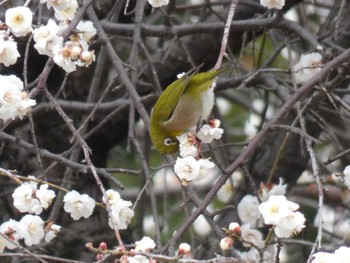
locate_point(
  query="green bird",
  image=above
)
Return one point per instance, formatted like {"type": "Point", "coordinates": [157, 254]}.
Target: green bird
{"type": "Point", "coordinates": [181, 106]}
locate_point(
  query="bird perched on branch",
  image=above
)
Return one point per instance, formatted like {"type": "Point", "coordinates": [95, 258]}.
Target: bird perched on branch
{"type": "Point", "coordinates": [181, 106]}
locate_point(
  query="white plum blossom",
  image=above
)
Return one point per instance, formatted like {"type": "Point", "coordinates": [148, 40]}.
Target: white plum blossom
{"type": "Point", "coordinates": [252, 255]}
{"type": "Point", "coordinates": [146, 244]}
{"type": "Point", "coordinates": [158, 3]}
{"type": "Point", "coordinates": [226, 191]}
{"type": "Point", "coordinates": [24, 198]}
{"type": "Point", "coordinates": [78, 205]}
{"type": "Point", "coordinates": [273, 3]}
{"type": "Point", "coordinates": [307, 67]}
{"type": "Point", "coordinates": [248, 210]}
{"type": "Point", "coordinates": [63, 58]}
{"type": "Point", "coordinates": [290, 225]}
{"type": "Point", "coordinates": [187, 144]}
{"type": "Point", "coordinates": [46, 38]}
{"type": "Point", "coordinates": [45, 195]}
{"type": "Point", "coordinates": [28, 198]}
{"type": "Point", "coordinates": [31, 228]}
{"type": "Point", "coordinates": [324, 257]}
{"type": "Point", "coordinates": [205, 167]}
{"type": "Point", "coordinates": [346, 173]}
{"type": "Point", "coordinates": [187, 169]}
{"type": "Point", "coordinates": [19, 20]}
{"type": "Point", "coordinates": [276, 208]}
{"type": "Point", "coordinates": [58, 5]}
{"type": "Point", "coordinates": [10, 229]}
{"type": "Point", "coordinates": [253, 236]}
{"type": "Point", "coordinates": [68, 12]}
{"type": "Point", "coordinates": [343, 254]}
{"type": "Point", "coordinates": [276, 189]}
{"type": "Point", "coordinates": [208, 133]}
{"type": "Point", "coordinates": [122, 214]}
{"type": "Point", "coordinates": [201, 226]}
{"type": "Point", "coordinates": [281, 213]}
{"type": "Point", "coordinates": [8, 51]}
{"type": "Point", "coordinates": [51, 232]}
{"type": "Point", "coordinates": [13, 101]}
{"type": "Point", "coordinates": [86, 30]}
{"type": "Point", "coordinates": [340, 255]}
{"type": "Point", "coordinates": [113, 197]}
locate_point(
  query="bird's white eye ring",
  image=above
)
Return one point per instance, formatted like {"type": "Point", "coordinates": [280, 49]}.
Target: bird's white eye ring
{"type": "Point", "coordinates": [168, 142]}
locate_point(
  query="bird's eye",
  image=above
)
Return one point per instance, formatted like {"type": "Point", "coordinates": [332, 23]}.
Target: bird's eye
{"type": "Point", "coordinates": [168, 141]}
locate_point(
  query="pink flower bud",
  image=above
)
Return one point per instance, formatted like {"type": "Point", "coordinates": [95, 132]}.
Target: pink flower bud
{"type": "Point", "coordinates": [226, 243]}
{"type": "Point", "coordinates": [234, 227]}
{"type": "Point", "coordinates": [184, 248]}
{"type": "Point", "coordinates": [102, 246]}
{"type": "Point", "coordinates": [99, 256]}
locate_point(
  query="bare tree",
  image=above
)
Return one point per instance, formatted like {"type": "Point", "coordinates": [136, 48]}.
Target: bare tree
{"type": "Point", "coordinates": [90, 128]}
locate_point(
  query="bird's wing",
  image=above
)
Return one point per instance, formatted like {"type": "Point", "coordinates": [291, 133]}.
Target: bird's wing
{"type": "Point", "coordinates": [165, 107]}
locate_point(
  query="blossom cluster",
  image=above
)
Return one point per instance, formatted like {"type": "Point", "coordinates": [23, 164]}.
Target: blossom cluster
{"type": "Point", "coordinates": [71, 53]}
{"type": "Point", "coordinates": [31, 228]}
{"type": "Point", "coordinates": [146, 245]}
{"type": "Point", "coordinates": [48, 38]}
{"type": "Point", "coordinates": [274, 210]}
{"type": "Point", "coordinates": [122, 212]}
{"type": "Point", "coordinates": [32, 198]}
{"type": "Point", "coordinates": [189, 167]}
{"type": "Point", "coordinates": [13, 100]}
{"type": "Point", "coordinates": [64, 9]}
{"type": "Point", "coordinates": [283, 215]}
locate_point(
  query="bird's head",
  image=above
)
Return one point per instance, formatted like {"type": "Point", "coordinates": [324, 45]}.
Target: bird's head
{"type": "Point", "coordinates": [163, 140]}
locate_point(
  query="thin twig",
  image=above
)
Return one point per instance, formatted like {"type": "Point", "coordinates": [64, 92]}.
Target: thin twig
{"type": "Point", "coordinates": [226, 33]}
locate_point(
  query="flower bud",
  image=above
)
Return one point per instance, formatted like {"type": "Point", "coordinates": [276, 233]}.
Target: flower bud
{"type": "Point", "coordinates": [215, 123]}
{"type": "Point", "coordinates": [89, 245]}
{"type": "Point", "coordinates": [99, 256]}
{"type": "Point", "coordinates": [235, 228]}
{"type": "Point", "coordinates": [102, 246]}
{"type": "Point", "coordinates": [87, 57]}
{"type": "Point", "coordinates": [226, 243]}
{"type": "Point", "coordinates": [75, 52]}
{"type": "Point", "coordinates": [183, 249]}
